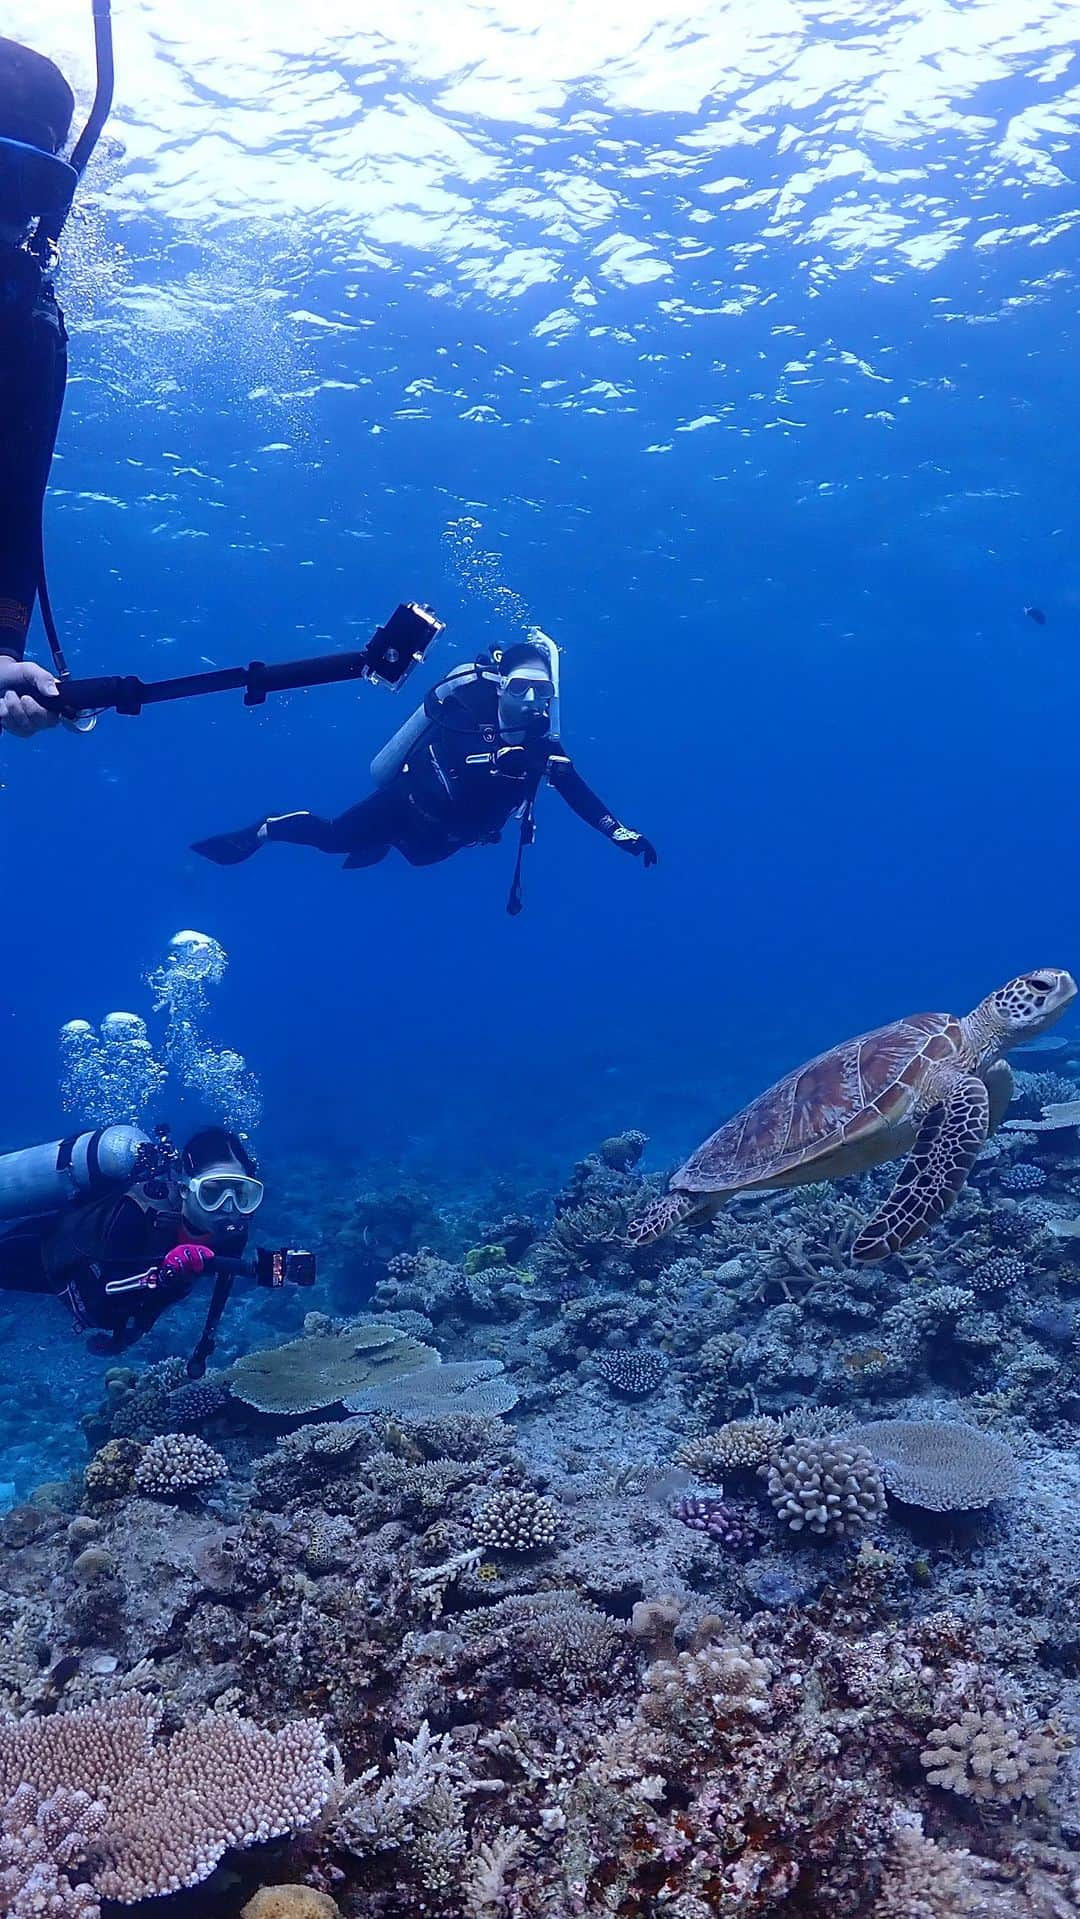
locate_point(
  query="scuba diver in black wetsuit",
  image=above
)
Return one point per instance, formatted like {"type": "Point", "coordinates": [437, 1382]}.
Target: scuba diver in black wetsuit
{"type": "Point", "coordinates": [473, 755]}
{"type": "Point", "coordinates": [36, 188]}
{"type": "Point", "coordinates": [121, 1251]}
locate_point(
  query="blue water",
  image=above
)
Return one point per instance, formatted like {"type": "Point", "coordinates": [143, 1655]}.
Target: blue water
{"type": "Point", "coordinates": [742, 343]}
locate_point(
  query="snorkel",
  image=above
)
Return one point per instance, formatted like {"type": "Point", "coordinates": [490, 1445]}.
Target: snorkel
{"type": "Point", "coordinates": [528, 687]}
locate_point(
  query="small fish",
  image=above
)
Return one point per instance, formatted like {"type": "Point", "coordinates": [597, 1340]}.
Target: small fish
{"type": "Point", "coordinates": [1036, 613]}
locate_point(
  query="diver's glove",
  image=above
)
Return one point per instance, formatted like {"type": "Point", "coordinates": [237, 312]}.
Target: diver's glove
{"type": "Point", "coordinates": [186, 1260]}
{"type": "Point", "coordinates": [635, 843]}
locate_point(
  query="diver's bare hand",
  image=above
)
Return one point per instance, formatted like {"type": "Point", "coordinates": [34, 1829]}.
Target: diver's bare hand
{"type": "Point", "coordinates": [21, 714]}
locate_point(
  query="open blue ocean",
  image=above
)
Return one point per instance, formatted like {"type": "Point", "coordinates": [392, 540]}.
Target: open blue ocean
{"type": "Point", "coordinates": [735, 347]}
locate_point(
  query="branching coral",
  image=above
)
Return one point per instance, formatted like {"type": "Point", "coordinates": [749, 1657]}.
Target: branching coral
{"type": "Point", "coordinates": [164, 1813]}
{"type": "Point", "coordinates": [741, 1445]}
{"type": "Point", "coordinates": [44, 1846]}
{"type": "Point", "coordinates": [634, 1373]}
{"type": "Point", "coordinates": [987, 1756]}
{"type": "Point", "coordinates": [175, 1464]}
{"type": "Point", "coordinates": [829, 1486]}
{"type": "Point", "coordinates": [517, 1520]}
{"type": "Point", "coordinates": [697, 1696]}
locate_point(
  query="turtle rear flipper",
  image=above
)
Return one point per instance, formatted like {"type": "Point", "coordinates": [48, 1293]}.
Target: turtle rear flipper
{"type": "Point", "coordinates": [946, 1147]}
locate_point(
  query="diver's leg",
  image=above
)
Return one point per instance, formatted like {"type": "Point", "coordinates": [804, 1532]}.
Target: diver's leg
{"type": "Point", "coordinates": [357, 832]}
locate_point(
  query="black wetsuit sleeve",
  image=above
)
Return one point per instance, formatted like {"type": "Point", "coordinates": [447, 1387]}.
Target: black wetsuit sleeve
{"type": "Point", "coordinates": [580, 798]}
{"type": "Point", "coordinates": [33, 370]}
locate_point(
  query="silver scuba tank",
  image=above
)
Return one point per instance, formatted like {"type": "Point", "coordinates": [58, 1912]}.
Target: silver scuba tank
{"type": "Point", "coordinates": [42, 1179]}
{"type": "Point", "coordinates": [390, 758]}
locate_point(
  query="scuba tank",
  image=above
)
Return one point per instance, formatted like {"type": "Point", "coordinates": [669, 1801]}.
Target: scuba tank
{"type": "Point", "coordinates": [42, 1179]}
{"type": "Point", "coordinates": [391, 758]}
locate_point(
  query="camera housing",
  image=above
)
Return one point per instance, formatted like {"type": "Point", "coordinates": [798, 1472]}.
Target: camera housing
{"type": "Point", "coordinates": [396, 648]}
{"type": "Point", "coordinates": [277, 1266]}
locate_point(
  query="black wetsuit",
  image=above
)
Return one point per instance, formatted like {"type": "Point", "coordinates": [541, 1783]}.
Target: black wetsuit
{"type": "Point", "coordinates": [33, 373]}
{"type": "Point", "coordinates": [74, 1254]}
{"type": "Point", "coordinates": [459, 787]}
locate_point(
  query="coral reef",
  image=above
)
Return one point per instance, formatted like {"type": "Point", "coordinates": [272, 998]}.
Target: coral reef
{"type": "Point", "coordinates": [488, 1635]}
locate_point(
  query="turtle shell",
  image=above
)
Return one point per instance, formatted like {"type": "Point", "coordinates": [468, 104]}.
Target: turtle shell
{"type": "Point", "coordinates": [841, 1098]}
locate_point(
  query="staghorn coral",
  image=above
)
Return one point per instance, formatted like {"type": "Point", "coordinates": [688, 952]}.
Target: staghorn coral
{"type": "Point", "coordinates": [829, 1486]}
{"type": "Point", "coordinates": [943, 1465]}
{"type": "Point", "coordinates": [477, 1386]}
{"type": "Point", "coordinates": [430, 1584]}
{"type": "Point", "coordinates": [172, 1808]}
{"type": "Point", "coordinates": [634, 1373]}
{"type": "Point", "coordinates": [419, 1805]}
{"type": "Point", "coordinates": [176, 1464]}
{"type": "Point", "coordinates": [325, 1369]}
{"type": "Point", "coordinates": [987, 1756]}
{"type": "Point", "coordinates": [741, 1445]}
{"type": "Point", "coordinates": [516, 1520]}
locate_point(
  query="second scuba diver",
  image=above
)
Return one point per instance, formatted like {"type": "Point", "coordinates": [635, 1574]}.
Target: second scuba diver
{"type": "Point", "coordinates": [120, 1257]}
{"type": "Point", "coordinates": [470, 758]}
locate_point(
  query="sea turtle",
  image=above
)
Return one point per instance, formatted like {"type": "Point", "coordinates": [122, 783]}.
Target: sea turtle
{"type": "Point", "coordinates": [932, 1086]}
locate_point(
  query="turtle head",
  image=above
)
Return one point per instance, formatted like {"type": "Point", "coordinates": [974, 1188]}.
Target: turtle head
{"type": "Point", "coordinates": [1030, 1004]}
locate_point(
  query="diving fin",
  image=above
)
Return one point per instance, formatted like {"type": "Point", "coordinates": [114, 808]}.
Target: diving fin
{"type": "Point", "coordinates": [230, 849]}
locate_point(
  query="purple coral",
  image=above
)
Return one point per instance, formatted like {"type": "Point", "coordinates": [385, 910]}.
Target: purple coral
{"type": "Point", "coordinates": [707, 1513]}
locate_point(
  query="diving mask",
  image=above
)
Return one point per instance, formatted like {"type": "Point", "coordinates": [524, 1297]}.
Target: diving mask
{"type": "Point", "coordinates": [211, 1191]}
{"type": "Point", "coordinates": [524, 695]}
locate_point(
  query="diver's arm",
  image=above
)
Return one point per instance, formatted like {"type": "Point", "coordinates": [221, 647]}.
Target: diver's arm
{"type": "Point", "coordinates": [589, 807]}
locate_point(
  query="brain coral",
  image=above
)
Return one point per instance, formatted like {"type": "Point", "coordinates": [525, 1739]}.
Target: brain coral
{"type": "Point", "coordinates": [291, 1902]}
{"type": "Point", "coordinates": [325, 1369]}
{"type": "Point", "coordinates": [943, 1465]}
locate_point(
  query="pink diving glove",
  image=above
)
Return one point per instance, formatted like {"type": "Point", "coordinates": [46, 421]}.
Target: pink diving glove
{"type": "Point", "coordinates": [185, 1260]}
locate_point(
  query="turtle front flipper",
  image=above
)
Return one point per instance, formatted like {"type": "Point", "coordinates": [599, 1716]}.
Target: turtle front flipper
{"type": "Point", "coordinates": [946, 1147]}
{"type": "Point", "coordinates": [1001, 1086]}
{"type": "Point", "coordinates": [661, 1217]}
